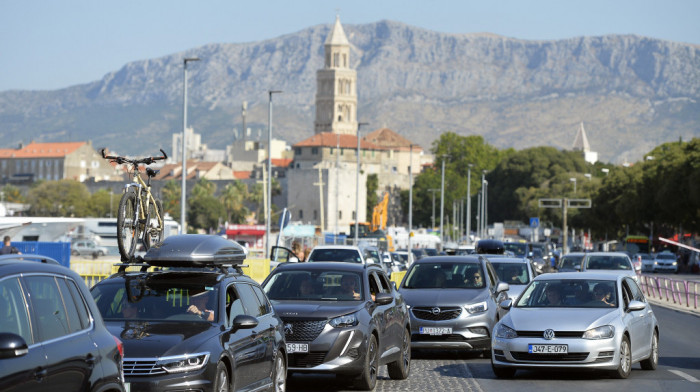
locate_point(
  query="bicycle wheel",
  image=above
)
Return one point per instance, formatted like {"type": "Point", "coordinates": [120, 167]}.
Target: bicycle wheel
{"type": "Point", "coordinates": [127, 225]}
{"type": "Point", "coordinates": [154, 228]}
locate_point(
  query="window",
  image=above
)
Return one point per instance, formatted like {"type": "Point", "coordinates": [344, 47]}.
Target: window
{"type": "Point", "coordinates": [234, 305]}
{"type": "Point", "coordinates": [314, 151]}
{"type": "Point", "coordinates": [52, 318]}
{"type": "Point", "coordinates": [301, 214]}
{"type": "Point", "coordinates": [13, 312]}
{"type": "Point", "coordinates": [265, 304]}
{"type": "Point", "coordinates": [250, 300]}
{"type": "Point", "coordinates": [340, 214]}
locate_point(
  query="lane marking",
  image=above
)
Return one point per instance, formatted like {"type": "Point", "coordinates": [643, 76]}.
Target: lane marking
{"type": "Point", "coordinates": [684, 375]}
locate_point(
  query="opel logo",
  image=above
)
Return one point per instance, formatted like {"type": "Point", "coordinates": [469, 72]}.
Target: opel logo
{"type": "Point", "coordinates": [435, 311]}
{"type": "Point", "coordinates": [548, 334]}
{"type": "Point", "coordinates": [288, 329]}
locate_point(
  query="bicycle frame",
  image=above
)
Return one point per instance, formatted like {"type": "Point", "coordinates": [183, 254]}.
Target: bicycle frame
{"type": "Point", "coordinates": [142, 188]}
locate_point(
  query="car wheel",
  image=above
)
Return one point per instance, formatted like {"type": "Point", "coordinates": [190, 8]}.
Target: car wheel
{"type": "Point", "coordinates": [221, 383]}
{"type": "Point", "coordinates": [502, 372]}
{"type": "Point", "coordinates": [653, 361]}
{"type": "Point", "coordinates": [368, 378]}
{"type": "Point", "coordinates": [399, 369]}
{"type": "Point", "coordinates": [625, 366]}
{"type": "Point", "coordinates": [100, 253]}
{"type": "Point", "coordinates": [279, 373]}
{"type": "Point", "coordinates": [74, 252]}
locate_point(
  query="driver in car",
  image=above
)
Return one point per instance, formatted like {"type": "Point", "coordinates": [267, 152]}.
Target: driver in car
{"type": "Point", "coordinates": [199, 306]}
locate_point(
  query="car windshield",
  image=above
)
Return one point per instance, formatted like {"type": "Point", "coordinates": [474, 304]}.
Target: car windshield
{"type": "Point", "coordinates": [345, 255]}
{"type": "Point", "coordinates": [139, 300]}
{"type": "Point", "coordinates": [512, 273]}
{"type": "Point", "coordinates": [518, 249]}
{"type": "Point", "coordinates": [596, 262]}
{"type": "Point", "coordinates": [665, 256]}
{"type": "Point", "coordinates": [569, 293]}
{"type": "Point", "coordinates": [314, 285]}
{"type": "Point", "coordinates": [570, 261]}
{"type": "Point", "coordinates": [445, 275]}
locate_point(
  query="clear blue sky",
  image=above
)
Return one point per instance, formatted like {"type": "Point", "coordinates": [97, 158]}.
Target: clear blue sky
{"type": "Point", "coordinates": [51, 44]}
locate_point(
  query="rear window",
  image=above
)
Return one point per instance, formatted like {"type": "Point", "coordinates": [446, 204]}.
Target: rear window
{"type": "Point", "coordinates": [344, 255]}
{"type": "Point", "coordinates": [314, 285]}
{"type": "Point", "coordinates": [445, 275]}
{"type": "Point", "coordinates": [607, 263]}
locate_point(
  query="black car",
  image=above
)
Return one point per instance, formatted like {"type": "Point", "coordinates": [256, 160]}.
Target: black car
{"type": "Point", "coordinates": [341, 318]}
{"type": "Point", "coordinates": [191, 320]}
{"type": "Point", "coordinates": [51, 333]}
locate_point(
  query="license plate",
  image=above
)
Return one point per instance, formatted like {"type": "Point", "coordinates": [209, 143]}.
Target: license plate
{"type": "Point", "coordinates": [547, 348]}
{"type": "Point", "coordinates": [297, 348]}
{"type": "Point", "coordinates": [435, 330]}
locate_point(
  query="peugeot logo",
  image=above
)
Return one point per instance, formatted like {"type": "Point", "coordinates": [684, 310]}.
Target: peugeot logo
{"type": "Point", "coordinates": [548, 334]}
{"type": "Point", "coordinates": [435, 311]}
{"type": "Point", "coordinates": [288, 329]}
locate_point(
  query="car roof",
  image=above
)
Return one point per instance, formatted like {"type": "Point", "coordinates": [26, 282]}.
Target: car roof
{"type": "Point", "coordinates": [335, 247]}
{"type": "Point", "coordinates": [607, 254]}
{"type": "Point", "coordinates": [326, 265]}
{"type": "Point", "coordinates": [449, 259]}
{"type": "Point", "coordinates": [14, 264]}
{"type": "Point", "coordinates": [580, 275]}
{"type": "Point", "coordinates": [209, 277]}
{"type": "Point", "coordinates": [497, 260]}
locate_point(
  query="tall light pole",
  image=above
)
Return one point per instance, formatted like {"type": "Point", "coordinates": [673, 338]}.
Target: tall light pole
{"type": "Point", "coordinates": [469, 202]}
{"type": "Point", "coordinates": [183, 196]}
{"type": "Point", "coordinates": [357, 184]}
{"type": "Point", "coordinates": [433, 216]}
{"type": "Point", "coordinates": [410, 196]}
{"type": "Point", "coordinates": [482, 214]}
{"type": "Point", "coordinates": [268, 210]}
{"type": "Point", "coordinates": [442, 202]}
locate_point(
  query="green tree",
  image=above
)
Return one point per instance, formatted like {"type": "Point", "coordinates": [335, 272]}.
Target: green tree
{"type": "Point", "coordinates": [12, 194]}
{"type": "Point", "coordinates": [63, 198]}
{"type": "Point", "coordinates": [233, 198]}
{"type": "Point", "coordinates": [170, 196]}
{"type": "Point", "coordinates": [101, 201]}
{"type": "Point", "coordinates": [204, 210]}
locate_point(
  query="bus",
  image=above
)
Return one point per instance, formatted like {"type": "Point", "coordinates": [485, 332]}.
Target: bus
{"type": "Point", "coordinates": [637, 244]}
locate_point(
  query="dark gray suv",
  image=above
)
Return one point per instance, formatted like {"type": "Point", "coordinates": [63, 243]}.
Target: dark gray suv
{"type": "Point", "coordinates": [51, 333]}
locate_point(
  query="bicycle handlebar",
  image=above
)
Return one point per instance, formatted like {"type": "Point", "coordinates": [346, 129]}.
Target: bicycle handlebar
{"type": "Point", "coordinates": [147, 160]}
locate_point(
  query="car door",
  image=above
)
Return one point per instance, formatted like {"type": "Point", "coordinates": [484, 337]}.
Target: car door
{"type": "Point", "coordinates": [258, 363]}
{"type": "Point", "coordinates": [640, 321]}
{"type": "Point", "coordinates": [71, 354]}
{"type": "Point", "coordinates": [381, 314]}
{"type": "Point", "coordinates": [25, 372]}
{"type": "Point", "coordinates": [395, 314]}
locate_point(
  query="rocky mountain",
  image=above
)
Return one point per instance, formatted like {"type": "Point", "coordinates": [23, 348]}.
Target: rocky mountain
{"type": "Point", "coordinates": [632, 93]}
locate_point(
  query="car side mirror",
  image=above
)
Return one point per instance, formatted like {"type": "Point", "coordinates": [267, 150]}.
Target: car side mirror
{"type": "Point", "coordinates": [383, 299]}
{"type": "Point", "coordinates": [502, 286]}
{"type": "Point", "coordinates": [636, 305]}
{"type": "Point", "coordinates": [244, 321]}
{"type": "Point", "coordinates": [12, 346]}
{"type": "Point", "coordinates": [506, 304]}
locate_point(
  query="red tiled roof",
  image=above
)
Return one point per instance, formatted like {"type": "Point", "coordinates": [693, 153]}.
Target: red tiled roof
{"type": "Point", "coordinates": [281, 162]}
{"type": "Point", "coordinates": [330, 139]}
{"type": "Point", "coordinates": [241, 175]}
{"type": "Point", "coordinates": [42, 150]}
{"type": "Point", "coordinates": [387, 138]}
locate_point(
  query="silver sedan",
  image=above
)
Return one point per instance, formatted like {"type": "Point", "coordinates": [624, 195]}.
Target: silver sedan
{"type": "Point", "coordinates": [577, 321]}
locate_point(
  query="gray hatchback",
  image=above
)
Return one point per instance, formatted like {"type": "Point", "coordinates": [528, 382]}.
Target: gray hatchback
{"type": "Point", "coordinates": [453, 302]}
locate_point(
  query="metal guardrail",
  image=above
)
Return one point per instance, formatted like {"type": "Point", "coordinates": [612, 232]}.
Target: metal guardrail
{"type": "Point", "coordinates": [679, 292]}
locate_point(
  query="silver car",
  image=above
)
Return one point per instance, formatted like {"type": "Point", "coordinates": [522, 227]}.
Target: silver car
{"type": "Point", "coordinates": [453, 302]}
{"type": "Point", "coordinates": [516, 271]}
{"type": "Point", "coordinates": [610, 262]}
{"type": "Point", "coordinates": [577, 321]}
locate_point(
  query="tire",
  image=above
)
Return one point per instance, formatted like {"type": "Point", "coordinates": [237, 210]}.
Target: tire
{"type": "Point", "coordinates": [502, 372]}
{"type": "Point", "coordinates": [368, 378]}
{"type": "Point", "coordinates": [221, 382]}
{"type": "Point", "coordinates": [625, 366]}
{"type": "Point", "coordinates": [399, 369]}
{"type": "Point", "coordinates": [75, 253]}
{"type": "Point", "coordinates": [653, 361]}
{"type": "Point", "coordinates": [127, 225]}
{"type": "Point", "coordinates": [279, 373]}
{"type": "Point", "coordinates": [153, 230]}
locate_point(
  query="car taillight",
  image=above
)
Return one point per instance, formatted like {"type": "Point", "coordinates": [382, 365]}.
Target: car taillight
{"type": "Point", "coordinates": [120, 346]}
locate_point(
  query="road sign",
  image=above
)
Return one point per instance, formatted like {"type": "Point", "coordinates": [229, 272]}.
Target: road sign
{"type": "Point", "coordinates": [534, 222]}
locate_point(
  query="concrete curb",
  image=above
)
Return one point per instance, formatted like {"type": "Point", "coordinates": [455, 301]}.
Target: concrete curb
{"type": "Point", "coordinates": [673, 306]}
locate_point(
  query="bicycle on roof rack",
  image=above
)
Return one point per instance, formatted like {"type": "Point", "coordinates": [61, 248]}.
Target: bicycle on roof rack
{"type": "Point", "coordinates": [140, 215]}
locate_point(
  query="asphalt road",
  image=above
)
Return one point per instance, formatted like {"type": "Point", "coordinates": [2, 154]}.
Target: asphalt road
{"type": "Point", "coordinates": [678, 371]}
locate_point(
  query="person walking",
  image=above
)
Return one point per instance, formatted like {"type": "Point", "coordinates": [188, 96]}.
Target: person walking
{"type": "Point", "coordinates": [7, 247]}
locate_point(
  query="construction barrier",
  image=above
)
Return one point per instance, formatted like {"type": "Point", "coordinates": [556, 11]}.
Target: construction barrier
{"type": "Point", "coordinates": [680, 292]}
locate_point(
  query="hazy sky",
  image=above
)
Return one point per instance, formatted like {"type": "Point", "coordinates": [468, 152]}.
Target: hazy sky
{"type": "Point", "coordinates": [51, 44]}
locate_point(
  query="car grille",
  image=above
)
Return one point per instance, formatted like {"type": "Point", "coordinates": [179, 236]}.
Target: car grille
{"type": "Point", "coordinates": [570, 357]}
{"type": "Point", "coordinates": [557, 334]}
{"type": "Point", "coordinates": [141, 367]}
{"type": "Point", "coordinates": [446, 313]}
{"type": "Point", "coordinates": [304, 331]}
{"type": "Point", "coordinates": [306, 360]}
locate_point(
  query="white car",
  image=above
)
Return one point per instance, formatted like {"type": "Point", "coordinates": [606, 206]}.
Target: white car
{"type": "Point", "coordinates": [665, 262]}
{"type": "Point", "coordinates": [569, 320]}
{"type": "Point", "coordinates": [609, 262]}
{"type": "Point", "coordinates": [516, 271]}
{"type": "Point", "coordinates": [87, 248]}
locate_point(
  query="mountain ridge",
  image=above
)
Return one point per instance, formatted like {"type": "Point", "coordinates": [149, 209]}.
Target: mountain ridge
{"type": "Point", "coordinates": [631, 92]}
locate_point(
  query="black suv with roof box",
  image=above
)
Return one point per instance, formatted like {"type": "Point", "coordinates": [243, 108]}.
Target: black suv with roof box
{"type": "Point", "coordinates": [191, 320]}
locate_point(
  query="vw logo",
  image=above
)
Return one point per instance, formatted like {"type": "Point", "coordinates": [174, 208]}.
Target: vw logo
{"type": "Point", "coordinates": [435, 311]}
{"type": "Point", "coordinates": [548, 334]}
{"type": "Point", "coordinates": [288, 329]}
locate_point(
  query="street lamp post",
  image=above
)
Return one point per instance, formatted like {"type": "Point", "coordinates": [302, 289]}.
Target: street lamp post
{"type": "Point", "coordinates": [410, 196]}
{"type": "Point", "coordinates": [433, 216]}
{"type": "Point", "coordinates": [442, 202]}
{"type": "Point", "coordinates": [183, 196]}
{"type": "Point", "coordinates": [268, 210]}
{"type": "Point", "coordinates": [484, 221]}
{"type": "Point", "coordinates": [357, 184]}
{"type": "Point", "coordinates": [469, 202]}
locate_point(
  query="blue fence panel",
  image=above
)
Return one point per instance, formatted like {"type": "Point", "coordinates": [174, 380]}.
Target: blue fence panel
{"type": "Point", "coordinates": [60, 251]}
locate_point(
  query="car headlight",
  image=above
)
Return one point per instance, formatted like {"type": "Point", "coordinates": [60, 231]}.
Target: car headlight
{"type": "Point", "coordinates": [184, 363]}
{"type": "Point", "coordinates": [349, 320]}
{"type": "Point", "coordinates": [675, 263]}
{"type": "Point", "coordinates": [477, 308]}
{"type": "Point", "coordinates": [604, 332]}
{"type": "Point", "coordinates": [504, 332]}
